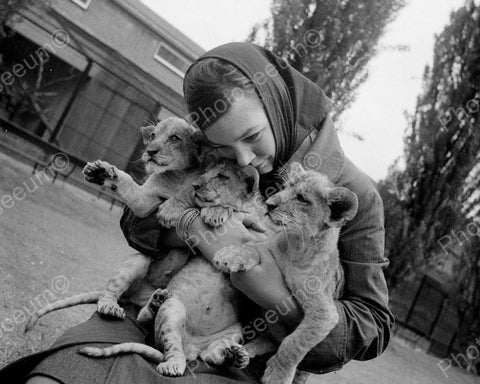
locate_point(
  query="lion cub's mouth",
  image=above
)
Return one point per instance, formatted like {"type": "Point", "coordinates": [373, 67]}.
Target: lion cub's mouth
{"type": "Point", "coordinates": [275, 219]}
{"type": "Point", "coordinates": [159, 160]}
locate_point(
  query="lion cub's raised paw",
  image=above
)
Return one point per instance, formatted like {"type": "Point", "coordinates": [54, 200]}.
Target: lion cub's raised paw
{"type": "Point", "coordinates": [149, 310]}
{"type": "Point", "coordinates": [234, 259]}
{"type": "Point", "coordinates": [98, 172]}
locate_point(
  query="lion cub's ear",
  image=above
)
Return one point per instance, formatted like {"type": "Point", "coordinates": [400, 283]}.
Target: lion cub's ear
{"type": "Point", "coordinates": [147, 133]}
{"type": "Point", "coordinates": [251, 177]}
{"type": "Point", "coordinates": [343, 205]}
{"type": "Point", "coordinates": [295, 168]}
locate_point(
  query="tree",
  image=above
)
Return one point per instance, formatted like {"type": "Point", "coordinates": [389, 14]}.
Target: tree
{"type": "Point", "coordinates": [329, 41]}
{"type": "Point", "coordinates": [426, 200]}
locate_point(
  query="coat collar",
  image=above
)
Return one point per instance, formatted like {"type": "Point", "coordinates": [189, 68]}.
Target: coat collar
{"type": "Point", "coordinates": [321, 151]}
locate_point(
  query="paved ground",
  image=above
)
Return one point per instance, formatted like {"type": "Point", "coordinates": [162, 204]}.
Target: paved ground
{"type": "Point", "coordinates": [58, 241]}
{"type": "Point", "coordinates": [400, 364]}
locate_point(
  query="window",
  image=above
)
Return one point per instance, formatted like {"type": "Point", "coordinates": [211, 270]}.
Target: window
{"type": "Point", "coordinates": [82, 3]}
{"type": "Point", "coordinates": [172, 59]}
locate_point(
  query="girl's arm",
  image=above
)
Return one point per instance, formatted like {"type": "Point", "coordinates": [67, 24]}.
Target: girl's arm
{"type": "Point", "coordinates": [263, 284]}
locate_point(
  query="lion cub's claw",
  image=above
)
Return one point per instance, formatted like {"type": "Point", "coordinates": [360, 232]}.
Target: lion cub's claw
{"type": "Point", "coordinates": [110, 308]}
{"type": "Point", "coordinates": [215, 216]}
{"type": "Point", "coordinates": [233, 259]}
{"type": "Point", "coordinates": [172, 367]}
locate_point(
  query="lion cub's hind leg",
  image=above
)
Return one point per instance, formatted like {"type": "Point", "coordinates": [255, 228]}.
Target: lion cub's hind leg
{"type": "Point", "coordinates": [130, 272]}
{"type": "Point", "coordinates": [169, 330]}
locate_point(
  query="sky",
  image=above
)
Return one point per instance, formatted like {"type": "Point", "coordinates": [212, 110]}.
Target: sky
{"type": "Point", "coordinates": [395, 77]}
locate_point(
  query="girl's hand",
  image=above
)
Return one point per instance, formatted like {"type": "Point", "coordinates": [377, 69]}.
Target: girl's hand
{"type": "Point", "coordinates": [264, 284]}
{"type": "Point", "coordinates": [234, 232]}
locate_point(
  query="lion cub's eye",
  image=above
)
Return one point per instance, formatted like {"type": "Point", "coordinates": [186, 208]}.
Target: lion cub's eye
{"type": "Point", "coordinates": [223, 177]}
{"type": "Point", "coordinates": [152, 136]}
{"type": "Point", "coordinates": [302, 199]}
{"type": "Point", "coordinates": [174, 138]}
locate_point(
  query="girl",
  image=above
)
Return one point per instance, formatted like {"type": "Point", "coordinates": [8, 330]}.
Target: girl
{"type": "Point", "coordinates": [254, 108]}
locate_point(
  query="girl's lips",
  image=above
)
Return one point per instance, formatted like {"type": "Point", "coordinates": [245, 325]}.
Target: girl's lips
{"type": "Point", "coordinates": [260, 165]}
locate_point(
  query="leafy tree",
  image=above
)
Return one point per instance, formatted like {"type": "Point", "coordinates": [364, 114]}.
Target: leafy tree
{"type": "Point", "coordinates": [426, 199]}
{"type": "Point", "coordinates": [329, 41]}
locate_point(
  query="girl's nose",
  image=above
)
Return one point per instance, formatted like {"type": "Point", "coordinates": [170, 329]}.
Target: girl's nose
{"type": "Point", "coordinates": [244, 156]}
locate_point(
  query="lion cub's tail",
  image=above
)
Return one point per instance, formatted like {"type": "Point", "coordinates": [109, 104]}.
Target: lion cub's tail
{"type": "Point", "coordinates": [82, 298]}
{"type": "Point", "coordinates": [141, 349]}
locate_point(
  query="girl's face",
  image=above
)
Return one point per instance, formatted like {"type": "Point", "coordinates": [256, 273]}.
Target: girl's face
{"type": "Point", "coordinates": [244, 133]}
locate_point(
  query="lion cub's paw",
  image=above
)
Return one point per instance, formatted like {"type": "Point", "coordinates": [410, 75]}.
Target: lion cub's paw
{"type": "Point", "coordinates": [237, 356]}
{"type": "Point", "coordinates": [98, 172]}
{"type": "Point", "coordinates": [215, 216]}
{"type": "Point", "coordinates": [226, 352]}
{"type": "Point", "coordinates": [174, 366]}
{"type": "Point", "coordinates": [168, 214]}
{"type": "Point", "coordinates": [233, 259]}
{"type": "Point", "coordinates": [110, 308]}
{"type": "Point", "coordinates": [149, 310]}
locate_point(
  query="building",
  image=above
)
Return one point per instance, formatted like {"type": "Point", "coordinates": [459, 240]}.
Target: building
{"type": "Point", "coordinates": [86, 74]}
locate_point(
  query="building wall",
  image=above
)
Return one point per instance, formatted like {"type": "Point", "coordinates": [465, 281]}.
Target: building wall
{"type": "Point", "coordinates": [108, 21]}
{"type": "Point", "coordinates": [109, 109]}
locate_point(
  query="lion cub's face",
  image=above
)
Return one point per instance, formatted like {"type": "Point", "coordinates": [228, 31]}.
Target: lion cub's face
{"type": "Point", "coordinates": [226, 184]}
{"type": "Point", "coordinates": [171, 145]}
{"type": "Point", "coordinates": [310, 202]}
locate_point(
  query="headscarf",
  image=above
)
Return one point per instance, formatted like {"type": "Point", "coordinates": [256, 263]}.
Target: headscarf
{"type": "Point", "coordinates": [294, 105]}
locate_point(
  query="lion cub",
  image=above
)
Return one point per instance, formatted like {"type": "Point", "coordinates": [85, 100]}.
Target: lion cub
{"type": "Point", "coordinates": [197, 314]}
{"type": "Point", "coordinates": [173, 156]}
{"type": "Point", "coordinates": [311, 212]}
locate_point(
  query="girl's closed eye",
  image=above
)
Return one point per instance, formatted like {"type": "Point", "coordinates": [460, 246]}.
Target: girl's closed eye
{"type": "Point", "coordinates": [254, 137]}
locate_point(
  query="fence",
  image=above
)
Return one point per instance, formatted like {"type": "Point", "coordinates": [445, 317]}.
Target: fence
{"type": "Point", "coordinates": [424, 307]}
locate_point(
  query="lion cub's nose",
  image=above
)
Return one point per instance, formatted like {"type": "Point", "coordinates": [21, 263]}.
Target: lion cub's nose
{"type": "Point", "coordinates": [152, 153]}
